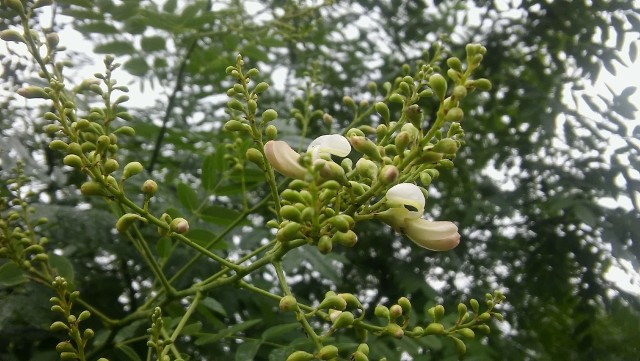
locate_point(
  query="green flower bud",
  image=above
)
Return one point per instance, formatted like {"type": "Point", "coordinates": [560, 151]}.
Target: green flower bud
{"type": "Point", "coordinates": [359, 356]}
{"type": "Point", "coordinates": [87, 147]}
{"type": "Point", "coordinates": [498, 316]}
{"type": "Point", "coordinates": [149, 187]}
{"type": "Point", "coordinates": [405, 304]}
{"type": "Point", "coordinates": [15, 5]}
{"type": "Point", "coordinates": [235, 104]}
{"type": "Point", "coordinates": [53, 39]}
{"type": "Point", "coordinates": [300, 356]}
{"type": "Point", "coordinates": [366, 168]}
{"type": "Point", "coordinates": [414, 114]}
{"type": "Point", "coordinates": [389, 174]}
{"type": "Point", "coordinates": [347, 239]}
{"type": "Point", "coordinates": [439, 85]}
{"type": "Point", "coordinates": [342, 222]}
{"type": "Point", "coordinates": [395, 311]}
{"type": "Point", "coordinates": [434, 329]}
{"type": "Point", "coordinates": [110, 166]}
{"type": "Point", "coordinates": [396, 98]}
{"type": "Point", "coordinates": [254, 156]}
{"type": "Point", "coordinates": [331, 170]}
{"type": "Point", "coordinates": [84, 315]}
{"type": "Point", "coordinates": [401, 141]}
{"type": "Point", "coordinates": [445, 164]}
{"type": "Point", "coordinates": [271, 132]}
{"type": "Point", "coordinates": [32, 92]}
{"type": "Point", "coordinates": [460, 91]}
{"type": "Point", "coordinates": [292, 196]}
{"type": "Point", "coordinates": [328, 352]}
{"type": "Point", "coordinates": [460, 346]}
{"type": "Point", "coordinates": [291, 213]}
{"type": "Point", "coordinates": [126, 130]}
{"type": "Point", "coordinates": [455, 64]}
{"type": "Point", "coordinates": [381, 311]}
{"type": "Point", "coordinates": [454, 115]}
{"type": "Point", "coordinates": [59, 326]}
{"type": "Point", "coordinates": [474, 305]}
{"type": "Point", "coordinates": [260, 87]}
{"type": "Point", "coordinates": [179, 225]}
{"type": "Point", "coordinates": [467, 333]}
{"type": "Point", "coordinates": [361, 335]}
{"type": "Point", "coordinates": [394, 330]}
{"type": "Point", "coordinates": [482, 84]}
{"type": "Point", "coordinates": [72, 160]}
{"type": "Point", "coordinates": [484, 329]}
{"type": "Point", "coordinates": [383, 110]}
{"type": "Point", "coordinates": [88, 333]}
{"type": "Point", "coordinates": [484, 317]}
{"type": "Point", "coordinates": [446, 146]}
{"type": "Point", "coordinates": [234, 125]}
{"type": "Point", "coordinates": [453, 75]}
{"type": "Point", "coordinates": [252, 106]}
{"type": "Point", "coordinates": [132, 169]}
{"type": "Point", "coordinates": [52, 128]}
{"type": "Point", "coordinates": [65, 346]}
{"type": "Point", "coordinates": [348, 101]}
{"type": "Point", "coordinates": [333, 301]}
{"type": "Point", "coordinates": [346, 164]}
{"type": "Point", "coordinates": [352, 301]}
{"type": "Point", "coordinates": [269, 115]}
{"type": "Point", "coordinates": [345, 319]}
{"type": "Point", "coordinates": [289, 232]}
{"type": "Point", "coordinates": [74, 148]}
{"type": "Point", "coordinates": [418, 331]}
{"type": "Point", "coordinates": [425, 178]}
{"type": "Point", "coordinates": [325, 245]}
{"type": "Point", "coordinates": [438, 312]}
{"type": "Point", "coordinates": [288, 303]}
{"type": "Point", "coordinates": [330, 184]}
{"type": "Point", "coordinates": [381, 131]}
{"type": "Point", "coordinates": [126, 221]}
{"type": "Point", "coordinates": [11, 35]}
{"type": "Point", "coordinates": [68, 356]}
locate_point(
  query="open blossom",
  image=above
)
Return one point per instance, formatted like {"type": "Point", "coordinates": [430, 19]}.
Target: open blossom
{"type": "Point", "coordinates": [406, 205]}
{"type": "Point", "coordinates": [285, 160]}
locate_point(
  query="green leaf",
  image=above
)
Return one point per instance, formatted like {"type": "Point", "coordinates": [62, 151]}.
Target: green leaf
{"type": "Point", "coordinates": [211, 338]}
{"type": "Point", "coordinates": [254, 53]}
{"type": "Point", "coordinates": [212, 166]}
{"type": "Point", "coordinates": [11, 275]}
{"type": "Point", "coordinates": [214, 306]}
{"type": "Point", "coordinates": [83, 14]}
{"type": "Point", "coordinates": [99, 27]}
{"type": "Point", "coordinates": [164, 247]}
{"type": "Point", "coordinates": [136, 66]}
{"type": "Point", "coordinates": [191, 328]}
{"type": "Point", "coordinates": [62, 266]}
{"type": "Point", "coordinates": [115, 47]}
{"type": "Point", "coordinates": [219, 215]}
{"type": "Point", "coordinates": [82, 3]}
{"type": "Point", "coordinates": [170, 6]}
{"type": "Point", "coordinates": [279, 330]}
{"type": "Point", "coordinates": [248, 350]}
{"type": "Point", "coordinates": [187, 196]}
{"type": "Point", "coordinates": [128, 352]}
{"type": "Point", "coordinates": [202, 237]}
{"type": "Point", "coordinates": [153, 43]}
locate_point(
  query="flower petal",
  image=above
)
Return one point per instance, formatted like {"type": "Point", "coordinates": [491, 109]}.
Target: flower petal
{"type": "Point", "coordinates": [407, 195]}
{"type": "Point", "coordinates": [284, 159]}
{"type": "Point", "coordinates": [436, 236]}
{"type": "Point", "coordinates": [335, 144]}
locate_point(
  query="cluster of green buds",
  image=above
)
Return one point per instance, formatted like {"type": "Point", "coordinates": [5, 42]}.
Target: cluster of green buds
{"type": "Point", "coordinates": [156, 340]}
{"type": "Point", "coordinates": [19, 239]}
{"type": "Point", "coordinates": [327, 196]}
{"type": "Point", "coordinates": [74, 348]}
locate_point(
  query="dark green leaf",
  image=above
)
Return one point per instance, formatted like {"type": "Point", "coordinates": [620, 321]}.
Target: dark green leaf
{"type": "Point", "coordinates": [115, 48]}
{"type": "Point", "coordinates": [211, 168]}
{"type": "Point", "coordinates": [164, 247]}
{"type": "Point", "coordinates": [219, 215]}
{"type": "Point", "coordinates": [62, 266]}
{"type": "Point", "coordinates": [136, 66]}
{"type": "Point", "coordinates": [170, 6]}
{"type": "Point", "coordinates": [128, 352]}
{"type": "Point", "coordinates": [214, 306]}
{"type": "Point", "coordinates": [279, 330]}
{"type": "Point", "coordinates": [11, 275]}
{"type": "Point", "coordinates": [153, 43]}
{"type": "Point", "coordinates": [191, 328]}
{"type": "Point", "coordinates": [82, 3]}
{"type": "Point", "coordinates": [254, 53]}
{"type": "Point", "coordinates": [188, 197]}
{"type": "Point", "coordinates": [83, 14]}
{"type": "Point", "coordinates": [248, 350]}
{"type": "Point", "coordinates": [211, 338]}
{"type": "Point", "coordinates": [99, 27]}
{"type": "Point", "coordinates": [203, 237]}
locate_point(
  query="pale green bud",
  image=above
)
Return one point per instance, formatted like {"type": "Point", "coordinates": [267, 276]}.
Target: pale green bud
{"type": "Point", "coordinates": [474, 305]}
{"type": "Point", "coordinates": [359, 356]}
{"type": "Point", "coordinates": [328, 352]}
{"type": "Point", "coordinates": [333, 301]}
{"type": "Point", "coordinates": [72, 160]}
{"type": "Point", "coordinates": [325, 245]}
{"type": "Point", "coordinates": [254, 156]}
{"type": "Point", "coordinates": [394, 330]}
{"type": "Point", "coordinates": [460, 91]}
{"type": "Point", "coordinates": [454, 115]}
{"type": "Point", "coordinates": [291, 213]}
{"type": "Point", "coordinates": [126, 221]}
{"type": "Point", "coordinates": [179, 225]}
{"type": "Point", "coordinates": [388, 174]}
{"type": "Point", "coordinates": [110, 166]}
{"type": "Point", "coordinates": [383, 110]}
{"type": "Point", "coordinates": [235, 125]}
{"type": "Point", "coordinates": [460, 346]}
{"type": "Point", "coordinates": [381, 131]}
{"type": "Point", "coordinates": [269, 115]}
{"type": "Point", "coordinates": [150, 187]}
{"type": "Point", "coordinates": [347, 239]}
{"type": "Point", "coordinates": [345, 319]}
{"type": "Point", "coordinates": [395, 311]}
{"type": "Point", "coordinates": [365, 146]}
{"type": "Point", "coordinates": [288, 303]}
{"type": "Point", "coordinates": [396, 98]}
{"type": "Point", "coordinates": [11, 35]}
{"type": "Point", "coordinates": [405, 304]}
{"type": "Point", "coordinates": [288, 232]}
{"type": "Point", "coordinates": [261, 87]}
{"type": "Point", "coordinates": [132, 169]}
{"type": "Point", "coordinates": [446, 146]}
{"type": "Point", "coordinates": [271, 132]}
{"type": "Point", "coordinates": [455, 64]}
{"type": "Point", "coordinates": [434, 329]}
{"type": "Point", "coordinates": [381, 311]}
{"type": "Point", "coordinates": [300, 356]}
{"type": "Point", "coordinates": [439, 85]}
{"type": "Point", "coordinates": [467, 333]}
{"type": "Point", "coordinates": [482, 84]}
{"type": "Point", "coordinates": [32, 92]}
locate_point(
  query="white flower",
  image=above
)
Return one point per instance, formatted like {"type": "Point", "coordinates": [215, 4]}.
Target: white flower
{"type": "Point", "coordinates": [285, 160]}
{"type": "Point", "coordinates": [406, 205]}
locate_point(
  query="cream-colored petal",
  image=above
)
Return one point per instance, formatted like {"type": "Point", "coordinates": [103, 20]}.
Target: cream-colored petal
{"type": "Point", "coordinates": [335, 144]}
{"type": "Point", "coordinates": [436, 236]}
{"type": "Point", "coordinates": [407, 194]}
{"type": "Point", "coordinates": [284, 159]}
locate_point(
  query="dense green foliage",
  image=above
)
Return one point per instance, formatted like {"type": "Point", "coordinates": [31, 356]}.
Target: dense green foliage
{"type": "Point", "coordinates": [539, 233]}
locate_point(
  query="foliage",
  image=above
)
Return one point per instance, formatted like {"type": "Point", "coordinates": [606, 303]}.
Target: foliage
{"type": "Point", "coordinates": [541, 232]}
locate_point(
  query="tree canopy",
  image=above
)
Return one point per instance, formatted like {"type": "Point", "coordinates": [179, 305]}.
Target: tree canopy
{"type": "Point", "coordinates": [540, 155]}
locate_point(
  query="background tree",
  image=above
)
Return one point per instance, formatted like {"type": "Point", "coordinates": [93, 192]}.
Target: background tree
{"type": "Point", "coordinates": [539, 230]}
